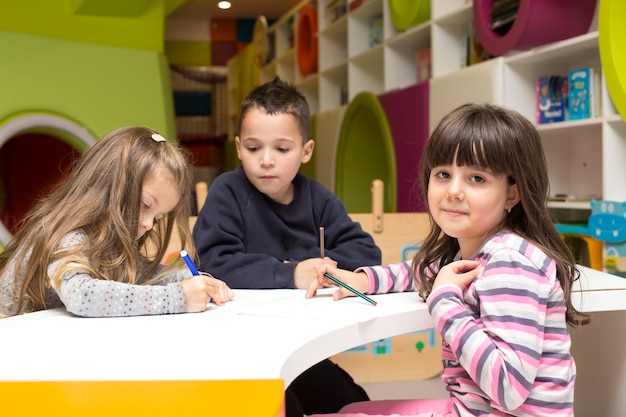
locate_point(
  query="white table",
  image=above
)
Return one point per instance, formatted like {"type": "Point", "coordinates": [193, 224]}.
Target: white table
{"type": "Point", "coordinates": [597, 291]}
{"type": "Point", "coordinates": [263, 335]}
{"type": "Point", "coordinates": [251, 349]}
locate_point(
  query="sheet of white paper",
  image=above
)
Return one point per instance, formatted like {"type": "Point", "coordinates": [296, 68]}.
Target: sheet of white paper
{"type": "Point", "coordinates": [321, 307]}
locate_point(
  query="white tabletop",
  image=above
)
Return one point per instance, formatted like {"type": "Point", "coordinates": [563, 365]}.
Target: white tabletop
{"type": "Point", "coordinates": [597, 291]}
{"type": "Point", "coordinates": [262, 334]}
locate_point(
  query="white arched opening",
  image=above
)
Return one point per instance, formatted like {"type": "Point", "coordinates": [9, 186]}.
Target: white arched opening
{"type": "Point", "coordinates": [55, 125]}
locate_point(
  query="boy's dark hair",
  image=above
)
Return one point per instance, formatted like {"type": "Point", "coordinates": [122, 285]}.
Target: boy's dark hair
{"type": "Point", "coordinates": [278, 96]}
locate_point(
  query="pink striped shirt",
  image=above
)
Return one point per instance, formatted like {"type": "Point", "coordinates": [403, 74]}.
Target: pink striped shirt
{"type": "Point", "coordinates": [506, 347]}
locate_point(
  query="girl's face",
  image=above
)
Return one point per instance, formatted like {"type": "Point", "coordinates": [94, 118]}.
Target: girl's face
{"type": "Point", "coordinates": [159, 196]}
{"type": "Point", "coordinates": [469, 203]}
{"type": "Point", "coordinates": [271, 151]}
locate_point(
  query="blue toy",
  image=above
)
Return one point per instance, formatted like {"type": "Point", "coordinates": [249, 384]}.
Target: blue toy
{"type": "Point", "coordinates": [607, 224]}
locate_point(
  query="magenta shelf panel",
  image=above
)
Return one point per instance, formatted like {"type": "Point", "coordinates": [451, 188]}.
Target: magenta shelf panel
{"type": "Point", "coordinates": [538, 22]}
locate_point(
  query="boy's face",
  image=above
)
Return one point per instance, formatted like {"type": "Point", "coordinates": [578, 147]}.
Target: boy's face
{"type": "Point", "coordinates": [271, 149]}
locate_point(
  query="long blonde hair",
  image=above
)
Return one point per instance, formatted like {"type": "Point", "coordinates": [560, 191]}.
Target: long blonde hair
{"type": "Point", "coordinates": [102, 197]}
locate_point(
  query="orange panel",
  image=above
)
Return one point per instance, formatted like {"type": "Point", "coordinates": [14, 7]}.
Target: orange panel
{"type": "Point", "coordinates": [307, 40]}
{"type": "Point", "coordinates": [144, 398]}
{"type": "Point", "coordinates": [224, 30]}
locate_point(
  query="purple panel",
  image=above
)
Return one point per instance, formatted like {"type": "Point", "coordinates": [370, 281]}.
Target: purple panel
{"type": "Point", "coordinates": [538, 22]}
{"type": "Point", "coordinates": [407, 114]}
{"type": "Point", "coordinates": [221, 52]}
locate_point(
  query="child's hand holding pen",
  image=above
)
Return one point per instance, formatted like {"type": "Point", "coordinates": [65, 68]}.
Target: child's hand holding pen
{"type": "Point", "coordinates": [199, 290]}
{"type": "Point", "coordinates": [326, 276]}
{"type": "Point", "coordinates": [357, 281]}
{"type": "Point", "coordinates": [202, 288]}
{"type": "Point", "coordinates": [305, 271]}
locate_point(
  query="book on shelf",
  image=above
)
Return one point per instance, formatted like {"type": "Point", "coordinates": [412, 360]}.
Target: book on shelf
{"type": "Point", "coordinates": [335, 9]}
{"type": "Point", "coordinates": [423, 64]}
{"type": "Point", "coordinates": [474, 52]}
{"type": "Point", "coordinates": [376, 31]}
{"type": "Point", "coordinates": [552, 98]}
{"type": "Point", "coordinates": [354, 4]}
{"type": "Point", "coordinates": [584, 98]}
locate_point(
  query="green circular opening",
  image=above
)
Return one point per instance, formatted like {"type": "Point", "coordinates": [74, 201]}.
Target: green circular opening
{"type": "Point", "coordinates": [365, 153]}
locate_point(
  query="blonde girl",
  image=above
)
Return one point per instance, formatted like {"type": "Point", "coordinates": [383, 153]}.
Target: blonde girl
{"type": "Point", "coordinates": [95, 243]}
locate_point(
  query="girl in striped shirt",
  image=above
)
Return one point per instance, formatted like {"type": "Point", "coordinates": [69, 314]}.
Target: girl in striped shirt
{"type": "Point", "coordinates": [494, 272]}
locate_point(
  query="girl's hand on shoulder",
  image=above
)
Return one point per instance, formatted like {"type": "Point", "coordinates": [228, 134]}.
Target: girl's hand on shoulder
{"type": "Point", "coordinates": [459, 273]}
{"type": "Point", "coordinates": [359, 281]}
{"type": "Point", "coordinates": [199, 290]}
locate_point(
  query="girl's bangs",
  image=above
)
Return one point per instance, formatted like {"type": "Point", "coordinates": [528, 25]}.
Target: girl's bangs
{"type": "Point", "coordinates": [472, 147]}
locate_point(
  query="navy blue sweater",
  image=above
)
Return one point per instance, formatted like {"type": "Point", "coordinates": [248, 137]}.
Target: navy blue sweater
{"type": "Point", "coordinates": [243, 237]}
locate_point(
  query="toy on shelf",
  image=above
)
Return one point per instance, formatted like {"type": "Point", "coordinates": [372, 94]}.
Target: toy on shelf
{"type": "Point", "coordinates": [607, 224]}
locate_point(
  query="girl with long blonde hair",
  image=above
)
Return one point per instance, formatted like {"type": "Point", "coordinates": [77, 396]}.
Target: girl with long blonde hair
{"type": "Point", "coordinates": [94, 244]}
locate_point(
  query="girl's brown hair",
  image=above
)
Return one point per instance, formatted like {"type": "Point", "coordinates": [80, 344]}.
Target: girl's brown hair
{"type": "Point", "coordinates": [506, 143]}
{"type": "Point", "coordinates": [102, 197]}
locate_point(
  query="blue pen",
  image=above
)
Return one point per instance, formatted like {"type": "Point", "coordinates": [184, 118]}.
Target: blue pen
{"type": "Point", "coordinates": [189, 262]}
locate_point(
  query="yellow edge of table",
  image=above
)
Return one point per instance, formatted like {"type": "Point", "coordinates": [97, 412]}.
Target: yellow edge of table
{"type": "Point", "coordinates": [150, 398]}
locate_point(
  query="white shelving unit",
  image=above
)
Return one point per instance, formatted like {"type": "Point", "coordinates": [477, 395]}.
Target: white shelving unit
{"type": "Point", "coordinates": [586, 157]}
{"type": "Point", "coordinates": [350, 64]}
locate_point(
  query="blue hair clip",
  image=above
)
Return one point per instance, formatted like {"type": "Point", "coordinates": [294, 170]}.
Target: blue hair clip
{"type": "Point", "coordinates": [158, 138]}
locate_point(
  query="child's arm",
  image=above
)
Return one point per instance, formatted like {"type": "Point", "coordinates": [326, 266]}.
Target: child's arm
{"type": "Point", "coordinates": [368, 280]}
{"type": "Point", "coordinates": [87, 296]}
{"type": "Point", "coordinates": [390, 278]}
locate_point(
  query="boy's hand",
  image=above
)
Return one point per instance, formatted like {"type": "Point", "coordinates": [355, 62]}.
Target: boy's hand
{"type": "Point", "coordinates": [199, 290]}
{"type": "Point", "coordinates": [306, 271]}
{"type": "Point", "coordinates": [459, 273]}
{"type": "Point", "coordinates": [359, 281]}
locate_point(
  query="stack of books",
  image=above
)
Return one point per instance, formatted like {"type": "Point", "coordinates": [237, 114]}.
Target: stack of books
{"type": "Point", "coordinates": [573, 96]}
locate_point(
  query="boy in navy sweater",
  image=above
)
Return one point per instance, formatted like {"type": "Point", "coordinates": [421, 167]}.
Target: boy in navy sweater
{"type": "Point", "coordinates": [259, 227]}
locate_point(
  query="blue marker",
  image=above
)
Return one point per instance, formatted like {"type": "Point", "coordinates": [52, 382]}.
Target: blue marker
{"type": "Point", "coordinates": [189, 262]}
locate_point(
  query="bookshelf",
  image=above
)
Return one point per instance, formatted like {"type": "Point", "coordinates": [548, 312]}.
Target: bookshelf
{"type": "Point", "coordinates": [585, 156]}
